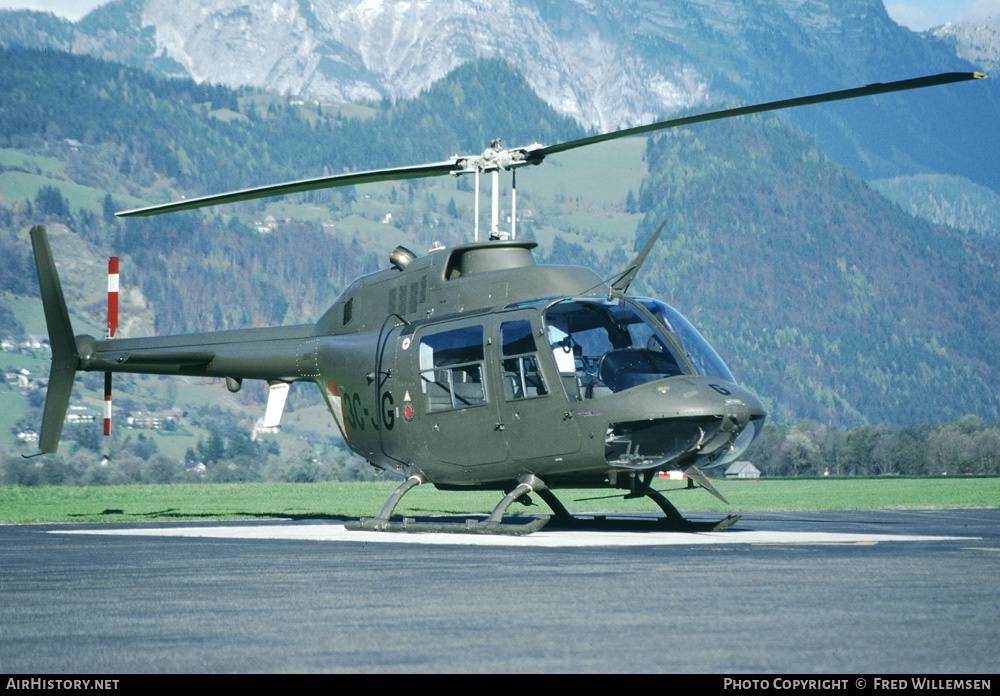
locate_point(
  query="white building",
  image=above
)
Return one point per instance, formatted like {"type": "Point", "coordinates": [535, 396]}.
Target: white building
{"type": "Point", "coordinates": [742, 470]}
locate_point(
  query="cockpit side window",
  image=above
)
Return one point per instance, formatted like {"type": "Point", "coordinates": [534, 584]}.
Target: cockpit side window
{"type": "Point", "coordinates": [522, 378]}
{"type": "Point", "coordinates": [451, 369]}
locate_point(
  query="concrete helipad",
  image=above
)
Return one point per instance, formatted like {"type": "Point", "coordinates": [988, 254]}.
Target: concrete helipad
{"type": "Point", "coordinates": [335, 532]}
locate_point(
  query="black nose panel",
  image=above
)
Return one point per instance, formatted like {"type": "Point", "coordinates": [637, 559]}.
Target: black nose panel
{"type": "Point", "coordinates": [648, 443]}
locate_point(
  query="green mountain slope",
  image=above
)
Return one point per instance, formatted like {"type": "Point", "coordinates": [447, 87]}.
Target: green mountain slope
{"type": "Point", "coordinates": [825, 298]}
{"type": "Point", "coordinates": [142, 139]}
{"type": "Point", "coordinates": [80, 138]}
{"type": "Point", "coordinates": [945, 200]}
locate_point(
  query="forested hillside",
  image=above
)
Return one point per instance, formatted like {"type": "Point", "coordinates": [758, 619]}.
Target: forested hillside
{"type": "Point", "coordinates": [831, 303]}
{"type": "Point", "coordinates": [80, 139]}
{"type": "Point", "coordinates": [211, 139]}
{"type": "Point", "coordinates": [827, 300]}
{"type": "Point", "coordinates": [945, 200]}
{"type": "Point", "coordinates": [606, 63]}
{"type": "Point", "coordinates": [146, 139]}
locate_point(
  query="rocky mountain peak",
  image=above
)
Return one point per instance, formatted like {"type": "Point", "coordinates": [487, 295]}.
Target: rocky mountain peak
{"type": "Point", "coordinates": [976, 42]}
{"type": "Point", "coordinates": [606, 63]}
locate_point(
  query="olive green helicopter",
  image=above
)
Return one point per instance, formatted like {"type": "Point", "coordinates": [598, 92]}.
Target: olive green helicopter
{"type": "Point", "coordinates": [473, 367]}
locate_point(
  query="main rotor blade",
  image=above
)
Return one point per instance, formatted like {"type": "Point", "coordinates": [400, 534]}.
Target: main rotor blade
{"type": "Point", "coordinates": [323, 182]}
{"type": "Point", "coordinates": [869, 90]}
{"type": "Point", "coordinates": [532, 154]}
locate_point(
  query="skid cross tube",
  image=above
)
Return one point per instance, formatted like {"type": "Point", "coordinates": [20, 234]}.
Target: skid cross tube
{"type": "Point", "coordinates": [492, 525]}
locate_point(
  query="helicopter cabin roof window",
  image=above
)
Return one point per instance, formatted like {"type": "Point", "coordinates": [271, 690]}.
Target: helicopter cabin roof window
{"type": "Point", "coordinates": [522, 378]}
{"type": "Point", "coordinates": [451, 369]}
{"type": "Point", "coordinates": [348, 311]}
{"type": "Point", "coordinates": [606, 346]}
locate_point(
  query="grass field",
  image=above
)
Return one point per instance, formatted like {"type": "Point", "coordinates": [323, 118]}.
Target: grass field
{"type": "Point", "coordinates": [21, 505]}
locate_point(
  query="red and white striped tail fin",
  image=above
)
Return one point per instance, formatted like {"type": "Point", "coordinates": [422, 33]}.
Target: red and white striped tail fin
{"type": "Point", "coordinates": [107, 403]}
{"type": "Point", "coordinates": [112, 296]}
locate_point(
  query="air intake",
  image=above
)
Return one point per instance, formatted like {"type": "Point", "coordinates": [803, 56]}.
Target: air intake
{"type": "Point", "coordinates": [401, 257]}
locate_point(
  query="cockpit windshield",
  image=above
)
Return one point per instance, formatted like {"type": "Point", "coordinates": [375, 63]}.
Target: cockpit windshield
{"type": "Point", "coordinates": [701, 354]}
{"type": "Point", "coordinates": [604, 346]}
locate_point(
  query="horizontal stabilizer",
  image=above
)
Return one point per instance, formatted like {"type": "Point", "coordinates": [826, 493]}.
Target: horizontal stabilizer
{"type": "Point", "coordinates": [276, 396]}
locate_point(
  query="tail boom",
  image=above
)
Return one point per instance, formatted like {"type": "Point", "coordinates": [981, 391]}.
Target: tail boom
{"type": "Point", "coordinates": [276, 355]}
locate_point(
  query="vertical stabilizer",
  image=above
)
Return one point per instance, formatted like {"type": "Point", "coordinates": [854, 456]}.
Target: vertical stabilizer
{"type": "Point", "coordinates": [64, 356]}
{"type": "Point", "coordinates": [61, 377]}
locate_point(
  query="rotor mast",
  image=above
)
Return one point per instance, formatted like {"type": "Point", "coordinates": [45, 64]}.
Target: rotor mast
{"type": "Point", "coordinates": [494, 159]}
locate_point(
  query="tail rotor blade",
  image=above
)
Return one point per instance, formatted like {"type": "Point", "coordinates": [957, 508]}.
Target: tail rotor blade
{"type": "Point", "coordinates": [112, 296]}
{"type": "Point", "coordinates": [107, 403]}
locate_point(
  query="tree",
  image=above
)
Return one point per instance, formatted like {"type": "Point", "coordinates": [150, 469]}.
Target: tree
{"type": "Point", "coordinates": [798, 454]}
{"type": "Point", "coordinates": [49, 201]}
{"type": "Point", "coordinates": [215, 448]}
{"type": "Point", "coordinates": [303, 468]}
{"type": "Point", "coordinates": [160, 469]}
{"type": "Point", "coordinates": [143, 447]}
{"type": "Point", "coordinates": [108, 210]}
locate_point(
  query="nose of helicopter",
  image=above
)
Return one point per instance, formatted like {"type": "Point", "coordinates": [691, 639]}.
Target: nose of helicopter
{"type": "Point", "coordinates": [656, 423]}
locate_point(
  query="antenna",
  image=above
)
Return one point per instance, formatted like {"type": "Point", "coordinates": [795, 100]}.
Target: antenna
{"type": "Point", "coordinates": [513, 204]}
{"type": "Point", "coordinates": [476, 214]}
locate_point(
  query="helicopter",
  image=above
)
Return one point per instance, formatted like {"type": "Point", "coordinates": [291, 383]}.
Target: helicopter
{"type": "Point", "coordinates": [473, 367]}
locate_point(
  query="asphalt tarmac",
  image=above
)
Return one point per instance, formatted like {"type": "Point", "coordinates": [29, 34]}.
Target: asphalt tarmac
{"type": "Point", "coordinates": [882, 592]}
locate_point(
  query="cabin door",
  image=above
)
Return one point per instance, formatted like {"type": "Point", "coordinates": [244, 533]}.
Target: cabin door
{"type": "Point", "coordinates": [446, 409]}
{"type": "Point", "coordinates": [533, 408]}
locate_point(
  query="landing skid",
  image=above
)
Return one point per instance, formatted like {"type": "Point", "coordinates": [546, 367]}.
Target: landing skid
{"type": "Point", "coordinates": [561, 518]}
{"type": "Point", "coordinates": [639, 524]}
{"type": "Point", "coordinates": [410, 524]}
{"type": "Point", "coordinates": [672, 520]}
